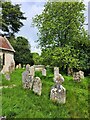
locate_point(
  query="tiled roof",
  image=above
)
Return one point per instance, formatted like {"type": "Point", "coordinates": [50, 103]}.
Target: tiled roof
{"type": "Point", "coordinates": [5, 44]}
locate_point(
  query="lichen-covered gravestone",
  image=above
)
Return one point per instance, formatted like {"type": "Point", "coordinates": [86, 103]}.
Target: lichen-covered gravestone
{"type": "Point", "coordinates": [81, 74]}
{"type": "Point", "coordinates": [44, 72]}
{"type": "Point", "coordinates": [58, 92]}
{"type": "Point", "coordinates": [27, 79]}
{"type": "Point", "coordinates": [59, 78]}
{"type": "Point", "coordinates": [77, 76]}
{"type": "Point", "coordinates": [37, 86]}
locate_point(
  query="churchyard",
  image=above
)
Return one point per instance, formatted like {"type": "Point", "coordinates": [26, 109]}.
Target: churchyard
{"type": "Point", "coordinates": [21, 102]}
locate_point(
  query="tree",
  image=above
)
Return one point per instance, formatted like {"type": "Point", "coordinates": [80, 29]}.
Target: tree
{"type": "Point", "coordinates": [23, 53]}
{"type": "Point", "coordinates": [60, 23]}
{"type": "Point", "coordinates": [36, 58]}
{"type": "Point", "coordinates": [64, 58]}
{"type": "Point", "coordinates": [11, 17]}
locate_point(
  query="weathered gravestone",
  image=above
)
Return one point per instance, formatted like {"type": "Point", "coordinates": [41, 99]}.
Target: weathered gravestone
{"type": "Point", "coordinates": [70, 71]}
{"type": "Point", "coordinates": [37, 86]}
{"type": "Point", "coordinates": [56, 71]}
{"type": "Point", "coordinates": [27, 79]}
{"type": "Point", "coordinates": [58, 92]}
{"type": "Point", "coordinates": [19, 66]}
{"type": "Point", "coordinates": [59, 78]}
{"type": "Point", "coordinates": [32, 71]}
{"type": "Point", "coordinates": [77, 76]}
{"type": "Point", "coordinates": [81, 74]}
{"type": "Point", "coordinates": [44, 72]}
{"type": "Point", "coordinates": [39, 67]}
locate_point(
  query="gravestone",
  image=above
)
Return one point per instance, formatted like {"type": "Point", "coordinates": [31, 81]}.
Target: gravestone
{"type": "Point", "coordinates": [70, 71]}
{"type": "Point", "coordinates": [81, 74]}
{"type": "Point", "coordinates": [58, 78]}
{"type": "Point", "coordinates": [27, 79]}
{"type": "Point", "coordinates": [44, 72]}
{"type": "Point", "coordinates": [77, 76]}
{"type": "Point", "coordinates": [32, 71]}
{"type": "Point", "coordinates": [19, 66]}
{"type": "Point", "coordinates": [37, 86]}
{"type": "Point", "coordinates": [56, 71]}
{"type": "Point", "coordinates": [7, 76]}
{"type": "Point", "coordinates": [58, 92]}
{"type": "Point", "coordinates": [39, 67]}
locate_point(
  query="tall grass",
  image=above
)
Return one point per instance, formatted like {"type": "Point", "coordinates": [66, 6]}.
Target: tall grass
{"type": "Point", "coordinates": [20, 103]}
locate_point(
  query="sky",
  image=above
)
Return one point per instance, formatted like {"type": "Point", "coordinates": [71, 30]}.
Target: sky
{"type": "Point", "coordinates": [31, 8]}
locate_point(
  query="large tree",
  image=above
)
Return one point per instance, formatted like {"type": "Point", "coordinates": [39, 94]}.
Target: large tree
{"type": "Point", "coordinates": [11, 17]}
{"type": "Point", "coordinates": [22, 48]}
{"type": "Point", "coordinates": [60, 23]}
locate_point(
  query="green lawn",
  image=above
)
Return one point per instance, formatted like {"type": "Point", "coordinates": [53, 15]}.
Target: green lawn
{"type": "Point", "coordinates": [20, 103]}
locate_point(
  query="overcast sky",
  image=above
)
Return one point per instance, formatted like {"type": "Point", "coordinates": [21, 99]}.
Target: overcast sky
{"type": "Point", "coordinates": [31, 8]}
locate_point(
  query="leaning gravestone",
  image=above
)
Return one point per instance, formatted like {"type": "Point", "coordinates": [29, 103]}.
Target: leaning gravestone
{"type": "Point", "coordinates": [44, 72]}
{"type": "Point", "coordinates": [27, 79]}
{"type": "Point", "coordinates": [58, 92]}
{"type": "Point", "coordinates": [56, 71]}
{"type": "Point", "coordinates": [37, 86]}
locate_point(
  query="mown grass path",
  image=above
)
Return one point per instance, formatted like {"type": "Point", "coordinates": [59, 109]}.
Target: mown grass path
{"type": "Point", "coordinates": [20, 103]}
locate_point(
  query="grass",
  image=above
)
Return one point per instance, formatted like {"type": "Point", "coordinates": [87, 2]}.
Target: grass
{"type": "Point", "coordinates": [20, 103]}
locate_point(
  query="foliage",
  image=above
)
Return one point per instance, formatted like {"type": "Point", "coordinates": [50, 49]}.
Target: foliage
{"type": "Point", "coordinates": [62, 57]}
{"type": "Point", "coordinates": [60, 23]}
{"type": "Point", "coordinates": [36, 58]}
{"type": "Point", "coordinates": [22, 50]}
{"type": "Point", "coordinates": [11, 17]}
{"type": "Point", "coordinates": [19, 103]}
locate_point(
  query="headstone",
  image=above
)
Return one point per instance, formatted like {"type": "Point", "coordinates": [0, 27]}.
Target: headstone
{"type": "Point", "coordinates": [81, 74]}
{"type": "Point", "coordinates": [59, 79]}
{"type": "Point", "coordinates": [70, 71]}
{"type": "Point", "coordinates": [37, 86]}
{"type": "Point", "coordinates": [77, 76]}
{"type": "Point", "coordinates": [27, 79]}
{"type": "Point", "coordinates": [56, 71]}
{"type": "Point", "coordinates": [7, 76]}
{"type": "Point", "coordinates": [28, 67]}
{"type": "Point", "coordinates": [58, 94]}
{"type": "Point", "coordinates": [19, 66]}
{"type": "Point", "coordinates": [39, 67]}
{"type": "Point", "coordinates": [44, 72]}
{"type": "Point", "coordinates": [32, 71]}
